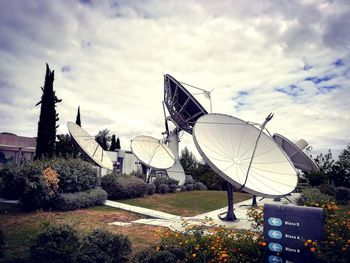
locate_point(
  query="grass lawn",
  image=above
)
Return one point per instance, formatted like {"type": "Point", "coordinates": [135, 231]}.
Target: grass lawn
{"type": "Point", "coordinates": [187, 203]}
{"type": "Point", "coordinates": [21, 227]}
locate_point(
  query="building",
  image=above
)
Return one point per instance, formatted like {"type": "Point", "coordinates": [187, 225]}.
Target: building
{"type": "Point", "coordinates": [16, 149]}
{"type": "Point", "coordinates": [125, 161]}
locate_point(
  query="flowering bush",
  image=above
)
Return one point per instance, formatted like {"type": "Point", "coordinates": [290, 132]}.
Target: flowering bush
{"type": "Point", "coordinates": [200, 243]}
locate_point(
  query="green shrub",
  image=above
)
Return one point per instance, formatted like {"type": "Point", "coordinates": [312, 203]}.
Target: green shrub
{"type": "Point", "coordinates": [183, 188]}
{"type": "Point", "coordinates": [200, 186]}
{"type": "Point", "coordinates": [71, 201]}
{"type": "Point", "coordinates": [164, 180]}
{"type": "Point", "coordinates": [75, 174]}
{"type": "Point", "coordinates": [327, 189]}
{"type": "Point", "coordinates": [55, 244]}
{"type": "Point", "coordinates": [342, 195]}
{"type": "Point", "coordinates": [172, 188]}
{"type": "Point", "coordinates": [143, 256]}
{"type": "Point", "coordinates": [2, 243]}
{"type": "Point", "coordinates": [164, 256]}
{"type": "Point", "coordinates": [37, 193]}
{"type": "Point", "coordinates": [123, 186]}
{"type": "Point", "coordinates": [164, 188]}
{"type": "Point", "coordinates": [189, 180]}
{"type": "Point", "coordinates": [189, 187]}
{"type": "Point", "coordinates": [311, 196]}
{"type": "Point", "coordinates": [13, 182]}
{"type": "Point", "coordinates": [151, 188]}
{"type": "Point", "coordinates": [102, 246]}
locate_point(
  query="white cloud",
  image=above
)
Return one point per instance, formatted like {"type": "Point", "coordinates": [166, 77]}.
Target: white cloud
{"type": "Point", "coordinates": [115, 52]}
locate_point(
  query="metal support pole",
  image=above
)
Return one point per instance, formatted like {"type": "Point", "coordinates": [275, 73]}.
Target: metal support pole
{"type": "Point", "coordinates": [230, 215]}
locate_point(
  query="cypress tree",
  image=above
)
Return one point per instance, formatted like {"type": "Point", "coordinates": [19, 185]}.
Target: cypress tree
{"type": "Point", "coordinates": [113, 144]}
{"type": "Point", "coordinates": [47, 120]}
{"type": "Point", "coordinates": [78, 121]}
{"type": "Point", "coordinates": [118, 144]}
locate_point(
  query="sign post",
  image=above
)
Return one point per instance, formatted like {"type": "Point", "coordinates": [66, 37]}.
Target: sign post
{"type": "Point", "coordinates": [286, 228]}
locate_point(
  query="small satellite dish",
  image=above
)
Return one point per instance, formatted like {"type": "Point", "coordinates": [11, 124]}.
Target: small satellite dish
{"type": "Point", "coordinates": [89, 146]}
{"type": "Point", "coordinates": [295, 153]}
{"type": "Point", "coordinates": [244, 156]}
{"type": "Point", "coordinates": [177, 172]}
{"type": "Point", "coordinates": [152, 152]}
{"type": "Point", "coordinates": [183, 108]}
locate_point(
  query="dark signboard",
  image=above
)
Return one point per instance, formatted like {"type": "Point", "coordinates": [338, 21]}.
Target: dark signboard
{"type": "Point", "coordinates": [287, 227]}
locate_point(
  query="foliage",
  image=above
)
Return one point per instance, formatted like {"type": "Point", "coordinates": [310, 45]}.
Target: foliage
{"type": "Point", "coordinates": [2, 242]}
{"type": "Point", "coordinates": [164, 180]}
{"type": "Point", "coordinates": [316, 178]}
{"type": "Point", "coordinates": [198, 243]}
{"type": "Point", "coordinates": [172, 188]}
{"type": "Point", "coordinates": [189, 180]}
{"type": "Point", "coordinates": [78, 121]}
{"type": "Point", "coordinates": [103, 246]}
{"type": "Point", "coordinates": [71, 201]}
{"type": "Point", "coordinates": [188, 161]}
{"type": "Point", "coordinates": [123, 186]}
{"type": "Point", "coordinates": [75, 174]}
{"type": "Point", "coordinates": [199, 186]}
{"type": "Point", "coordinates": [341, 169]}
{"type": "Point", "coordinates": [326, 189]}
{"type": "Point", "coordinates": [189, 187]}
{"type": "Point", "coordinates": [342, 195]}
{"type": "Point", "coordinates": [311, 196]}
{"type": "Point", "coordinates": [47, 121]}
{"type": "Point", "coordinates": [203, 173]}
{"type": "Point", "coordinates": [164, 188]}
{"type": "Point", "coordinates": [12, 182]}
{"type": "Point", "coordinates": [113, 146]}
{"type": "Point", "coordinates": [65, 147]}
{"type": "Point", "coordinates": [103, 139]}
{"type": "Point", "coordinates": [256, 218]}
{"type": "Point", "coordinates": [183, 188]}
{"type": "Point", "coordinates": [55, 244]}
{"type": "Point", "coordinates": [118, 143]}
{"type": "Point", "coordinates": [151, 188]}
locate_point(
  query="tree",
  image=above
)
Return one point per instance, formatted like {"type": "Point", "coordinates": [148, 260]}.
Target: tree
{"type": "Point", "coordinates": [118, 144]}
{"type": "Point", "coordinates": [341, 169]}
{"type": "Point", "coordinates": [103, 139]}
{"type": "Point", "coordinates": [188, 161]}
{"type": "Point", "coordinates": [65, 147]}
{"type": "Point", "coordinates": [78, 121]}
{"type": "Point", "coordinates": [47, 120]}
{"type": "Point", "coordinates": [113, 144]}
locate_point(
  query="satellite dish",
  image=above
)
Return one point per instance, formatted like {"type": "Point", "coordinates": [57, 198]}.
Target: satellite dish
{"type": "Point", "coordinates": [177, 172]}
{"type": "Point", "coordinates": [152, 152]}
{"type": "Point", "coordinates": [89, 146]}
{"type": "Point", "coordinates": [183, 108]}
{"type": "Point", "coordinates": [244, 155]}
{"type": "Point", "coordinates": [295, 153]}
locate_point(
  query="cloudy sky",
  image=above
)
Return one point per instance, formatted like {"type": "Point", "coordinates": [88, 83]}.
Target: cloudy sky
{"type": "Point", "coordinates": [287, 57]}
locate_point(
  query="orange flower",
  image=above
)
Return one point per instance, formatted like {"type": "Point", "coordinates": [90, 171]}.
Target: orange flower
{"type": "Point", "coordinates": [194, 255]}
{"type": "Point", "coordinates": [263, 244]}
{"type": "Point", "coordinates": [309, 241]}
{"type": "Point", "coordinates": [176, 235]}
{"type": "Point", "coordinates": [312, 249]}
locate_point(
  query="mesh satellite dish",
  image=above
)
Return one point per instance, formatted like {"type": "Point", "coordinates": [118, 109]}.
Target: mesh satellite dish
{"type": "Point", "coordinates": [89, 146]}
{"type": "Point", "coordinates": [152, 152]}
{"type": "Point", "coordinates": [183, 108]}
{"type": "Point", "coordinates": [295, 153]}
{"type": "Point", "coordinates": [244, 156]}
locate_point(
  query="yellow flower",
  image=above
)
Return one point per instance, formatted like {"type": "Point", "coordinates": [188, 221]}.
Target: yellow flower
{"type": "Point", "coordinates": [194, 255]}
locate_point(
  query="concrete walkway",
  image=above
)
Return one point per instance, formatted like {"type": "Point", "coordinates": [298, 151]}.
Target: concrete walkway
{"type": "Point", "coordinates": [175, 222]}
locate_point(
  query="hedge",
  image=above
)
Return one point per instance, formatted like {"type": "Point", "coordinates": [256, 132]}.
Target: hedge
{"type": "Point", "coordinates": [56, 244]}
{"type": "Point", "coordinates": [2, 243]}
{"type": "Point", "coordinates": [71, 201]}
{"type": "Point", "coordinates": [342, 195]}
{"type": "Point", "coordinates": [123, 186]}
{"type": "Point", "coordinates": [103, 246]}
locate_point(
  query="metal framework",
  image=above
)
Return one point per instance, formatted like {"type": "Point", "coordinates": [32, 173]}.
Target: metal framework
{"type": "Point", "coordinates": [183, 108]}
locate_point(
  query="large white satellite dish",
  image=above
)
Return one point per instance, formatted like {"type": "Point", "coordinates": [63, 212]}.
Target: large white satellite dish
{"type": "Point", "coordinates": [152, 152]}
{"type": "Point", "coordinates": [89, 146]}
{"type": "Point", "coordinates": [295, 153]}
{"type": "Point", "coordinates": [177, 172]}
{"type": "Point", "coordinates": [244, 156]}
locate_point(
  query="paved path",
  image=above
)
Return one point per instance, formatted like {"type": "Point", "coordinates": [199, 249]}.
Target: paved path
{"type": "Point", "coordinates": [175, 222]}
